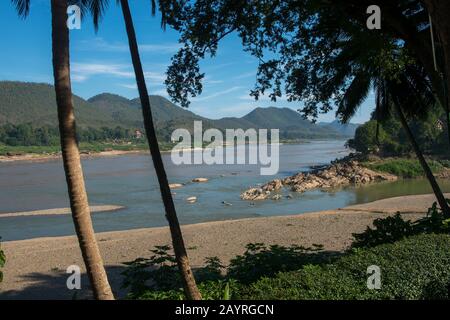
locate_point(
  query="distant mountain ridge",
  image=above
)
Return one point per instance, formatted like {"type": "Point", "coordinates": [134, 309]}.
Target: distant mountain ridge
{"type": "Point", "coordinates": [347, 129]}
{"type": "Point", "coordinates": [34, 103]}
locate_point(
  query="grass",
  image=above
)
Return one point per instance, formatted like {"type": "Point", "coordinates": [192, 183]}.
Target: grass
{"type": "Point", "coordinates": [405, 168]}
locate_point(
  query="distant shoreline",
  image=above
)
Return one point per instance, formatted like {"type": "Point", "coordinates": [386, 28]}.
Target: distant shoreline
{"type": "Point", "coordinates": [86, 154]}
{"type": "Point", "coordinates": [38, 157]}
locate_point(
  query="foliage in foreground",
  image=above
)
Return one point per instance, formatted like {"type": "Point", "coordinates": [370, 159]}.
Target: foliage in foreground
{"type": "Point", "coordinates": [414, 259]}
{"type": "Point", "coordinates": [395, 228]}
{"type": "Point", "coordinates": [417, 267]}
{"type": "Point", "coordinates": [155, 278]}
{"type": "Point", "coordinates": [414, 268]}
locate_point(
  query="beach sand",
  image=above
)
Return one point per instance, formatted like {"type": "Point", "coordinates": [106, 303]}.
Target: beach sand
{"type": "Point", "coordinates": [37, 157]}
{"type": "Point", "coordinates": [35, 268]}
{"type": "Point", "coordinates": [58, 211]}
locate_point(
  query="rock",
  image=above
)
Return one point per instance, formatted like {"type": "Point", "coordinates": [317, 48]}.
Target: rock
{"type": "Point", "coordinates": [254, 194]}
{"type": "Point", "coordinates": [191, 199]}
{"type": "Point", "coordinates": [277, 197]}
{"type": "Point", "coordinates": [200, 180]}
{"type": "Point", "coordinates": [339, 173]}
{"type": "Point", "coordinates": [175, 185]}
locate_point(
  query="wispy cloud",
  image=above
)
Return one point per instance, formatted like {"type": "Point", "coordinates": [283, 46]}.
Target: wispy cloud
{"type": "Point", "coordinates": [100, 44]}
{"type": "Point", "coordinates": [217, 94]}
{"type": "Point", "coordinates": [131, 86]}
{"type": "Point", "coordinates": [245, 75]}
{"type": "Point", "coordinates": [83, 71]}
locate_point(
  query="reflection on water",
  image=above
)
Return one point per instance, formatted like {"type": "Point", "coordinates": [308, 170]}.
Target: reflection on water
{"type": "Point", "coordinates": [130, 181]}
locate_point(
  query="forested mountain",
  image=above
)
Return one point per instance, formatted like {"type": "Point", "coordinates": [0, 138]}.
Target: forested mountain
{"type": "Point", "coordinates": [347, 129]}
{"type": "Point", "coordinates": [34, 104]}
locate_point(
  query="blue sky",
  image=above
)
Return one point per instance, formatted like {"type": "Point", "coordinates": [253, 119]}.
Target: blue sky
{"type": "Point", "coordinates": [101, 63]}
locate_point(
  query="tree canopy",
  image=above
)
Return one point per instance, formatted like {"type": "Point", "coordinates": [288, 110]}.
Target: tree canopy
{"type": "Point", "coordinates": [316, 52]}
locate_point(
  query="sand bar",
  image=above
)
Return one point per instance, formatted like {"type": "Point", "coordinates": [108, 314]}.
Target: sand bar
{"type": "Point", "coordinates": [57, 211]}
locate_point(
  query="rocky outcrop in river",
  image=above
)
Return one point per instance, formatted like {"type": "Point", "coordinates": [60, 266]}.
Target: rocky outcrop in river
{"type": "Point", "coordinates": [340, 173]}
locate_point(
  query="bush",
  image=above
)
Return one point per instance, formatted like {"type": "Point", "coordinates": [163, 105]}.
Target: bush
{"type": "Point", "coordinates": [392, 229]}
{"type": "Point", "coordinates": [260, 260]}
{"type": "Point", "coordinates": [414, 268]}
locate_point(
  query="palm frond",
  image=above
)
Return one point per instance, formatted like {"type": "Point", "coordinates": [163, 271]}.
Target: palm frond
{"type": "Point", "coordinates": [22, 7]}
{"type": "Point", "coordinates": [354, 96]}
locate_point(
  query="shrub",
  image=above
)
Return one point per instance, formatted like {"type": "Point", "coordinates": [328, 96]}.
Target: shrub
{"type": "Point", "coordinates": [391, 229]}
{"type": "Point", "coordinates": [156, 277]}
{"type": "Point", "coordinates": [387, 230]}
{"type": "Point", "coordinates": [414, 268]}
{"type": "Point", "coordinates": [260, 260]}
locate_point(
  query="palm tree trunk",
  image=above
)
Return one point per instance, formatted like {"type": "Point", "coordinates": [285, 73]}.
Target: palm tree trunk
{"type": "Point", "coordinates": [429, 174]}
{"type": "Point", "coordinates": [190, 287]}
{"type": "Point", "coordinates": [71, 156]}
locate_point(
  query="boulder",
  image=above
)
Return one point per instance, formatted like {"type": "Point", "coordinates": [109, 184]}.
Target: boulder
{"type": "Point", "coordinates": [191, 199]}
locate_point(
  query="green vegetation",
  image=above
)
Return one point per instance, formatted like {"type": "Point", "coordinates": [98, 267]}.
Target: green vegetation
{"type": "Point", "coordinates": [28, 135]}
{"type": "Point", "coordinates": [413, 258]}
{"type": "Point", "coordinates": [392, 229]}
{"type": "Point", "coordinates": [28, 118]}
{"type": "Point", "coordinates": [405, 168]}
{"type": "Point", "coordinates": [391, 140]}
{"type": "Point", "coordinates": [414, 268]}
{"type": "Point", "coordinates": [84, 148]}
{"type": "Point", "coordinates": [417, 267]}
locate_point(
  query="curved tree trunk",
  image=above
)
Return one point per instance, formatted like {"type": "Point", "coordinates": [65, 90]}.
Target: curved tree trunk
{"type": "Point", "coordinates": [434, 185]}
{"type": "Point", "coordinates": [71, 156]}
{"type": "Point", "coordinates": [190, 287]}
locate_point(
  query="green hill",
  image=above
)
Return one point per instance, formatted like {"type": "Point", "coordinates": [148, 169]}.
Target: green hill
{"type": "Point", "coordinates": [34, 103]}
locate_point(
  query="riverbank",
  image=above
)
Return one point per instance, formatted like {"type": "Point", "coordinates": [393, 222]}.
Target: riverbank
{"type": "Point", "coordinates": [46, 153]}
{"type": "Point", "coordinates": [38, 157]}
{"type": "Point", "coordinates": [35, 268]}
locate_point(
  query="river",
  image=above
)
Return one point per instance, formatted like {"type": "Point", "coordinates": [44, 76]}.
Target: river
{"type": "Point", "coordinates": [130, 181]}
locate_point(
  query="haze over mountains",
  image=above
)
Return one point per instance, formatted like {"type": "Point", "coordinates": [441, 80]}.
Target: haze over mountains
{"type": "Point", "coordinates": [35, 103]}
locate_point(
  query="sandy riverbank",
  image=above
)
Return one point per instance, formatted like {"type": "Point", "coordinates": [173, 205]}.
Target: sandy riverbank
{"type": "Point", "coordinates": [36, 268]}
{"type": "Point", "coordinates": [35, 157]}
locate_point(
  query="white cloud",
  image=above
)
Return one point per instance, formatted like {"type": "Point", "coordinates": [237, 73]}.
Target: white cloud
{"type": "Point", "coordinates": [245, 75]}
{"type": "Point", "coordinates": [100, 44]}
{"type": "Point", "coordinates": [132, 86]}
{"type": "Point", "coordinates": [217, 94]}
{"type": "Point", "coordinates": [83, 71]}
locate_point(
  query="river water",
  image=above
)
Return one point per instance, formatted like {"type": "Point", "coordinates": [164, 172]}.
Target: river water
{"type": "Point", "coordinates": [130, 181]}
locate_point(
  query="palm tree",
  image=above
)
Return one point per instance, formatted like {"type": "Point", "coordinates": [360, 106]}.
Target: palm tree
{"type": "Point", "coordinates": [409, 90]}
{"type": "Point", "coordinates": [189, 284]}
{"type": "Point", "coordinates": [69, 147]}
